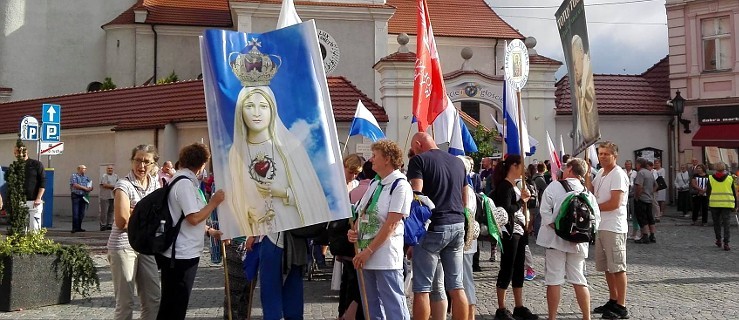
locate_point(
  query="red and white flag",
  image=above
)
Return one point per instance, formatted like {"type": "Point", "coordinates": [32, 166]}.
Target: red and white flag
{"type": "Point", "coordinates": [429, 93]}
{"type": "Point", "coordinates": [556, 164]}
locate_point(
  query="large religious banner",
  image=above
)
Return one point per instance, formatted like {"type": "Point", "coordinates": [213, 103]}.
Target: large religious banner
{"type": "Point", "coordinates": [272, 132]}
{"type": "Point", "coordinates": [573, 32]}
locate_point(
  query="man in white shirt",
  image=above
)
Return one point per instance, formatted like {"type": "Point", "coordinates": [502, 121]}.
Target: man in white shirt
{"type": "Point", "coordinates": [611, 187]}
{"type": "Point", "coordinates": [564, 260]}
{"type": "Point", "coordinates": [107, 184]}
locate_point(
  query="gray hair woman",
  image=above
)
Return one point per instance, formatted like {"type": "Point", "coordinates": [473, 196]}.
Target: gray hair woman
{"type": "Point", "coordinates": [128, 268]}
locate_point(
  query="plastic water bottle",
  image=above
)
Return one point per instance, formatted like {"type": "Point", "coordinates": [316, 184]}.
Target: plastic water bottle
{"type": "Point", "coordinates": [160, 230]}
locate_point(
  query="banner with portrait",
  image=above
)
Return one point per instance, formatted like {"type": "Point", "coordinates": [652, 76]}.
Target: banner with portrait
{"type": "Point", "coordinates": [272, 131]}
{"type": "Point", "coordinates": [573, 32]}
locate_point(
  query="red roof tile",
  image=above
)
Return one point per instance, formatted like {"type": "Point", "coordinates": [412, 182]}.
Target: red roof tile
{"type": "Point", "coordinates": [320, 3]}
{"type": "Point", "coordinates": [160, 104]}
{"type": "Point", "coordinates": [539, 59]}
{"type": "Point", "coordinates": [399, 57]}
{"type": "Point", "coordinates": [344, 97]}
{"type": "Point", "coordinates": [209, 13]}
{"type": "Point", "coordinates": [619, 95]}
{"type": "Point", "coordinates": [460, 18]}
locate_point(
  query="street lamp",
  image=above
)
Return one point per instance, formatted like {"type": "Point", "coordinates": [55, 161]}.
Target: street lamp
{"type": "Point", "coordinates": [678, 102]}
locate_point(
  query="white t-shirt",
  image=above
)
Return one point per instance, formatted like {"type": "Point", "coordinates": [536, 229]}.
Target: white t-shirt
{"type": "Point", "coordinates": [614, 220]}
{"type": "Point", "coordinates": [551, 202]}
{"type": "Point", "coordinates": [184, 197]}
{"type": "Point", "coordinates": [389, 256]}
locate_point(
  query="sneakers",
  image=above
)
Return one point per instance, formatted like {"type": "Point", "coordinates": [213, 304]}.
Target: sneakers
{"type": "Point", "coordinates": [523, 313]}
{"type": "Point", "coordinates": [530, 275]}
{"type": "Point", "coordinates": [644, 239]}
{"type": "Point", "coordinates": [103, 227]}
{"type": "Point", "coordinates": [687, 215]}
{"type": "Point", "coordinates": [604, 307]}
{"type": "Point", "coordinates": [503, 314]}
{"type": "Point", "coordinates": [726, 247]}
{"type": "Point", "coordinates": [652, 239]}
{"type": "Point", "coordinates": [616, 311]}
{"type": "Point", "coordinates": [718, 243]}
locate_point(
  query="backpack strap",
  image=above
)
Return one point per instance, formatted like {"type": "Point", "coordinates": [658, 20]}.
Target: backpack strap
{"type": "Point", "coordinates": [395, 184]}
{"type": "Point", "coordinates": [565, 185]}
{"type": "Point", "coordinates": [179, 222]}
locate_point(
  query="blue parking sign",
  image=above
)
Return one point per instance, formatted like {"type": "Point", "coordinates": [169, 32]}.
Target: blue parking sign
{"type": "Point", "coordinates": [50, 131]}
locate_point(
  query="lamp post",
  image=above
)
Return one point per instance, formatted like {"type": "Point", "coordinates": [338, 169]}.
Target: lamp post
{"type": "Point", "coordinates": [678, 102]}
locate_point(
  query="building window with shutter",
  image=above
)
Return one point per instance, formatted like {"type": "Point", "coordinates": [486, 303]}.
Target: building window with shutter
{"type": "Point", "coordinates": [716, 36]}
{"type": "Point", "coordinates": [471, 108]}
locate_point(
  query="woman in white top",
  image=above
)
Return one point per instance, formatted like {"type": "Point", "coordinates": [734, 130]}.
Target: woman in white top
{"type": "Point", "coordinates": [379, 233]}
{"type": "Point", "coordinates": [661, 196]}
{"type": "Point", "coordinates": [128, 268]}
{"type": "Point", "coordinates": [186, 202]}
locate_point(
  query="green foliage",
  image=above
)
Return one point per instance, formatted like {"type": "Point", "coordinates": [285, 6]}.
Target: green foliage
{"type": "Point", "coordinates": [74, 260]}
{"type": "Point", "coordinates": [18, 212]}
{"type": "Point", "coordinates": [108, 84]}
{"type": "Point", "coordinates": [485, 147]}
{"type": "Point", "coordinates": [172, 77]}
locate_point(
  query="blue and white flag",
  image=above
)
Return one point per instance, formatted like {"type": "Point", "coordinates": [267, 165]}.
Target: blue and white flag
{"type": "Point", "coordinates": [447, 128]}
{"type": "Point", "coordinates": [510, 114]}
{"type": "Point", "coordinates": [364, 123]}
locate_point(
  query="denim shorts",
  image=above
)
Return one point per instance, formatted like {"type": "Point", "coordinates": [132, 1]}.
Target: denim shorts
{"type": "Point", "coordinates": [441, 244]}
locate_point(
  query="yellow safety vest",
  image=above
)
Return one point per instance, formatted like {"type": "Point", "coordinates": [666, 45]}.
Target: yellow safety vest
{"type": "Point", "coordinates": [721, 195]}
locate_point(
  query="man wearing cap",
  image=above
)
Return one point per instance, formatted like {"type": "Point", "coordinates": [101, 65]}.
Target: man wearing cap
{"type": "Point", "coordinates": [80, 185]}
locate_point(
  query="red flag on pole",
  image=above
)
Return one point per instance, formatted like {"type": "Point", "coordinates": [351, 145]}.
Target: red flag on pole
{"type": "Point", "coordinates": [429, 93]}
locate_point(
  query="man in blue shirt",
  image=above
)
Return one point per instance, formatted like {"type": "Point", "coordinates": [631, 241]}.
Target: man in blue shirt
{"type": "Point", "coordinates": [80, 185]}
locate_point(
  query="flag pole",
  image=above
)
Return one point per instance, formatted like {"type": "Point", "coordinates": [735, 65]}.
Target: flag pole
{"type": "Point", "coordinates": [362, 287]}
{"type": "Point", "coordinates": [345, 145]}
{"type": "Point", "coordinates": [408, 136]}
{"type": "Point", "coordinates": [225, 273]}
{"type": "Point", "coordinates": [523, 158]}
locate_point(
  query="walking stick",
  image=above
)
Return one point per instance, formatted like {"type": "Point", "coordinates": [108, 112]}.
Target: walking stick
{"type": "Point", "coordinates": [225, 272]}
{"type": "Point", "coordinates": [362, 287]}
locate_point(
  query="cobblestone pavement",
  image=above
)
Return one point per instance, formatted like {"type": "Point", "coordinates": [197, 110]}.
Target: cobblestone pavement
{"type": "Point", "coordinates": [683, 276]}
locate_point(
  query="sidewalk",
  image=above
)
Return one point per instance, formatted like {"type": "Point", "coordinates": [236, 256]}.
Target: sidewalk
{"type": "Point", "coordinates": [682, 276]}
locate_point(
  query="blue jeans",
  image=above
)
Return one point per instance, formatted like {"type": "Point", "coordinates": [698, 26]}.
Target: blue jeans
{"type": "Point", "coordinates": [384, 294]}
{"type": "Point", "coordinates": [79, 205]}
{"type": "Point", "coordinates": [440, 244]}
{"type": "Point", "coordinates": [280, 299]}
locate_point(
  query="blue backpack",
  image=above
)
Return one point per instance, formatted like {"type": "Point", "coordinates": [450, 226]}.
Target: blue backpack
{"type": "Point", "coordinates": [414, 224]}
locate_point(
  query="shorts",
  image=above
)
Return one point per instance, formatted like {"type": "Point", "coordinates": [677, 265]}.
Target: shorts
{"type": "Point", "coordinates": [560, 266]}
{"type": "Point", "coordinates": [644, 214]}
{"type": "Point", "coordinates": [610, 251]}
{"type": "Point", "coordinates": [441, 244]}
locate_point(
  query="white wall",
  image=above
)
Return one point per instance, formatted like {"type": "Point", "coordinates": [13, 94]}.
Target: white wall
{"type": "Point", "coordinates": [47, 38]}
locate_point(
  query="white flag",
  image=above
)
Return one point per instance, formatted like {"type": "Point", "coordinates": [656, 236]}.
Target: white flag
{"type": "Point", "coordinates": [288, 15]}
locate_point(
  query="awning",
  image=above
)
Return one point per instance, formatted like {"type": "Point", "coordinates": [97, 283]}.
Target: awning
{"type": "Point", "coordinates": [717, 135]}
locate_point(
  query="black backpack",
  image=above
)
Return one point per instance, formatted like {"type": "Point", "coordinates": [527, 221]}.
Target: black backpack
{"type": "Point", "coordinates": [576, 219]}
{"type": "Point", "coordinates": [144, 225]}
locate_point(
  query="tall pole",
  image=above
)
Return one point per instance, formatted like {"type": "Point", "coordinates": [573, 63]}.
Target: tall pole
{"type": "Point", "coordinates": [523, 157]}
{"type": "Point", "coordinates": [225, 273]}
{"type": "Point", "coordinates": [362, 287]}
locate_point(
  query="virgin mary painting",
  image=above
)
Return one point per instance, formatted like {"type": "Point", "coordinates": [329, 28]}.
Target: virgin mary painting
{"type": "Point", "coordinates": [272, 181]}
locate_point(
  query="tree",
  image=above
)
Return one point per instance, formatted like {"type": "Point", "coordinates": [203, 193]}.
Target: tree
{"type": "Point", "coordinates": [18, 212]}
{"type": "Point", "coordinates": [108, 84]}
{"type": "Point", "coordinates": [172, 77]}
{"type": "Point", "coordinates": [484, 139]}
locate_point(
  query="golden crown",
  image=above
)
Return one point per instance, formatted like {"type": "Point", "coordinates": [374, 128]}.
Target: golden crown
{"type": "Point", "coordinates": [254, 68]}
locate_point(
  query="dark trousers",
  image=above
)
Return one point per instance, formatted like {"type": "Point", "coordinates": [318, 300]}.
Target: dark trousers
{"type": "Point", "coordinates": [512, 261]}
{"type": "Point", "coordinates": [683, 201]}
{"type": "Point", "coordinates": [476, 257]}
{"type": "Point", "coordinates": [349, 291]}
{"type": "Point", "coordinates": [721, 218]}
{"type": "Point", "coordinates": [700, 205]}
{"type": "Point", "coordinates": [176, 286]}
{"type": "Point", "coordinates": [240, 288]}
{"type": "Point", "coordinates": [79, 205]}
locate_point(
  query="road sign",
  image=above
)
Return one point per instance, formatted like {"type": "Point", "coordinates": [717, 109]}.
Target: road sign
{"type": "Point", "coordinates": [51, 113]}
{"type": "Point", "coordinates": [50, 132]}
{"type": "Point", "coordinates": [29, 128]}
{"type": "Point", "coordinates": [51, 148]}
